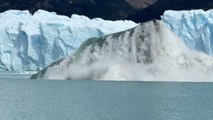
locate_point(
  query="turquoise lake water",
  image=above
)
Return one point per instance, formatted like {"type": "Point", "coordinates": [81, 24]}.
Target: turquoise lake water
{"type": "Point", "coordinates": [93, 100]}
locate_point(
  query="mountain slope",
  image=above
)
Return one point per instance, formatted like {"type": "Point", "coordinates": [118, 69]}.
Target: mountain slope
{"type": "Point", "coordinates": [159, 7]}
{"type": "Point", "coordinates": [148, 52]}
{"type": "Point", "coordinates": [107, 9]}
{"type": "Point", "coordinates": [136, 10]}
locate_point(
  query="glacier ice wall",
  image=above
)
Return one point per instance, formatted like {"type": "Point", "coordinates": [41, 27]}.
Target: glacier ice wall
{"type": "Point", "coordinates": [148, 52]}
{"type": "Point", "coordinates": [194, 27]}
{"type": "Point", "coordinates": [30, 42]}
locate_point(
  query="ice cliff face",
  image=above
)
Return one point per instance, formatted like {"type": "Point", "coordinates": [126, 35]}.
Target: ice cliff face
{"type": "Point", "coordinates": [148, 52]}
{"type": "Point", "coordinates": [30, 42]}
{"type": "Point", "coordinates": [194, 27]}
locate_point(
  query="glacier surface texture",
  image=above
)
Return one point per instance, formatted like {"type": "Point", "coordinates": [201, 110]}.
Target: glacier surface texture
{"type": "Point", "coordinates": [30, 42]}
{"type": "Point", "coordinates": [194, 27]}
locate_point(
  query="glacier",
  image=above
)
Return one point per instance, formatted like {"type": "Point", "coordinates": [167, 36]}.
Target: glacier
{"type": "Point", "coordinates": [194, 27]}
{"type": "Point", "coordinates": [30, 42]}
{"type": "Point", "coordinates": [148, 52]}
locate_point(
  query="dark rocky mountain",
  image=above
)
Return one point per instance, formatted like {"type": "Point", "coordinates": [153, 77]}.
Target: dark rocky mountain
{"type": "Point", "coordinates": [137, 10]}
{"type": "Point", "coordinates": [107, 9]}
{"type": "Point", "coordinates": [157, 9]}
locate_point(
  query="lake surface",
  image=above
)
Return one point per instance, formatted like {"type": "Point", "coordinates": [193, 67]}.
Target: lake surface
{"type": "Point", "coordinates": [23, 99]}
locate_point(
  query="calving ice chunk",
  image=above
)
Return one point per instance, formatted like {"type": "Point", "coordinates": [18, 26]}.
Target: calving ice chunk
{"type": "Point", "coordinates": [194, 27]}
{"type": "Point", "coordinates": [150, 51]}
{"type": "Point", "coordinates": [30, 42]}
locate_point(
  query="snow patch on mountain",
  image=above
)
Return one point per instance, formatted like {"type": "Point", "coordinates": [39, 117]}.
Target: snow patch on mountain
{"type": "Point", "coordinates": [30, 42]}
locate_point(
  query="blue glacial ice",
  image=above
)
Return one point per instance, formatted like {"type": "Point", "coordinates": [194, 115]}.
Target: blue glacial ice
{"type": "Point", "coordinates": [194, 27]}
{"type": "Point", "coordinates": [30, 42]}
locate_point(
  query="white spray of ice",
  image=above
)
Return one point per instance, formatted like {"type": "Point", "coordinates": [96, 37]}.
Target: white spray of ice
{"type": "Point", "coordinates": [149, 52]}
